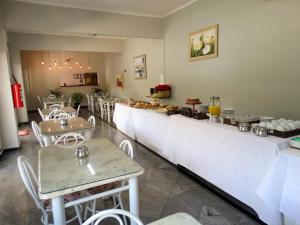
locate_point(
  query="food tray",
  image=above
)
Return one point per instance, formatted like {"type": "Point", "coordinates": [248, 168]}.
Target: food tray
{"type": "Point", "coordinates": [285, 134]}
{"type": "Point", "coordinates": [236, 123]}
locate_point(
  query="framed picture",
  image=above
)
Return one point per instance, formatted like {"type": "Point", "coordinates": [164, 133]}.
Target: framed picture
{"type": "Point", "coordinates": [139, 63]}
{"type": "Point", "coordinates": [203, 44]}
{"type": "Point", "coordinates": [119, 80]}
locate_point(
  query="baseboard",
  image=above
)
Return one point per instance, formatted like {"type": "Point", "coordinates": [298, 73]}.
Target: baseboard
{"type": "Point", "coordinates": [222, 194]}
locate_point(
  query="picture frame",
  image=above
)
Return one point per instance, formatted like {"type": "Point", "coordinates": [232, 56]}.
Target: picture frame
{"type": "Point", "coordinates": [119, 80]}
{"type": "Point", "coordinates": [139, 64]}
{"type": "Point", "coordinates": [203, 44]}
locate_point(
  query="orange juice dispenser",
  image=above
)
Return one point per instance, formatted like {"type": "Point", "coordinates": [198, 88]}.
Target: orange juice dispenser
{"type": "Point", "coordinates": [214, 108]}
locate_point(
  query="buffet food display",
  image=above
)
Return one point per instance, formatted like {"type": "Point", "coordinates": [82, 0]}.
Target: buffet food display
{"type": "Point", "coordinates": [245, 122]}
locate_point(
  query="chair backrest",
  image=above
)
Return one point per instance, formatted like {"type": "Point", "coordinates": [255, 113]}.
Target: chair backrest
{"type": "Point", "coordinates": [70, 139]}
{"type": "Point", "coordinates": [92, 120]}
{"type": "Point", "coordinates": [114, 214]}
{"type": "Point", "coordinates": [40, 100]}
{"type": "Point", "coordinates": [78, 110]}
{"type": "Point", "coordinates": [54, 113]}
{"type": "Point", "coordinates": [51, 96]}
{"type": "Point", "coordinates": [62, 115]}
{"type": "Point", "coordinates": [126, 146]}
{"type": "Point", "coordinates": [29, 179]}
{"type": "Point", "coordinates": [56, 106]}
{"type": "Point", "coordinates": [37, 133]}
{"type": "Point", "coordinates": [42, 115]}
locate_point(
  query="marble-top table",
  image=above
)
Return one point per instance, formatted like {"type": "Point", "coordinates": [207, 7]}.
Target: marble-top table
{"type": "Point", "coordinates": [60, 173]}
{"type": "Point", "coordinates": [47, 101]}
{"type": "Point", "coordinates": [177, 219]}
{"type": "Point", "coordinates": [52, 128]}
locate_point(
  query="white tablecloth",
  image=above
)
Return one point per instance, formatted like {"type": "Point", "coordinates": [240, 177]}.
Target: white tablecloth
{"type": "Point", "coordinates": [145, 126]}
{"type": "Point", "coordinates": [280, 188]}
{"type": "Point", "coordinates": [233, 161]}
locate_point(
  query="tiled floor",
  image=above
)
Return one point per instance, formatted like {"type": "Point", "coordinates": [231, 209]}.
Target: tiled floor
{"type": "Point", "coordinates": [163, 189]}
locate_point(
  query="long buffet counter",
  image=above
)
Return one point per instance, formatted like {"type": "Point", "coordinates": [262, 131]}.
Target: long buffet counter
{"type": "Point", "coordinates": [233, 161]}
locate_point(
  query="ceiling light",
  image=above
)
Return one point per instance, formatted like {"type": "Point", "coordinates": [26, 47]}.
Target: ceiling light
{"type": "Point", "coordinates": [89, 67]}
{"type": "Point", "coordinates": [49, 67]}
{"type": "Point", "coordinates": [55, 64]}
{"type": "Point", "coordinates": [42, 62]}
{"type": "Point", "coordinates": [80, 67]}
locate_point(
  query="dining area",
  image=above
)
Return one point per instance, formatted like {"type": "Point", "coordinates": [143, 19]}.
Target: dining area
{"type": "Point", "coordinates": [75, 169]}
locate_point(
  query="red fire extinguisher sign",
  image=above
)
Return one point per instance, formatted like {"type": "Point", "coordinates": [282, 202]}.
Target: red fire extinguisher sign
{"type": "Point", "coordinates": [17, 95]}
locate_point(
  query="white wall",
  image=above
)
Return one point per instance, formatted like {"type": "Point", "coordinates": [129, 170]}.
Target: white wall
{"type": "Point", "coordinates": [39, 42]}
{"type": "Point", "coordinates": [137, 88]}
{"type": "Point", "coordinates": [47, 19]}
{"type": "Point", "coordinates": [258, 65]}
{"type": "Point", "coordinates": [20, 41]}
{"type": "Point", "coordinates": [39, 79]}
{"type": "Point", "coordinates": [8, 122]}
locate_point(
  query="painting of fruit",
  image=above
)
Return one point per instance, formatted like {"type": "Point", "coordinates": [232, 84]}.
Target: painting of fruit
{"type": "Point", "coordinates": [204, 43]}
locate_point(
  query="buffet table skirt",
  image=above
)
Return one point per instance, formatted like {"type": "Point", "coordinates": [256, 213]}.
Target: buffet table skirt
{"type": "Point", "coordinates": [145, 126]}
{"type": "Point", "coordinates": [234, 161]}
{"type": "Point", "coordinates": [280, 187]}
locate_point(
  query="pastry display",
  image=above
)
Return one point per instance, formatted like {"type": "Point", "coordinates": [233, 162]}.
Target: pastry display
{"type": "Point", "coordinates": [282, 128]}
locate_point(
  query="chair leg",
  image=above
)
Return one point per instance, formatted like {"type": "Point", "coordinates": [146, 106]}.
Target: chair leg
{"type": "Point", "coordinates": [85, 211]}
{"type": "Point", "coordinates": [78, 212]}
{"type": "Point", "coordinates": [122, 207]}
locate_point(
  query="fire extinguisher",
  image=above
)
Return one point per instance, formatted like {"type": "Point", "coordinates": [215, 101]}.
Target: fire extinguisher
{"type": "Point", "coordinates": [17, 94]}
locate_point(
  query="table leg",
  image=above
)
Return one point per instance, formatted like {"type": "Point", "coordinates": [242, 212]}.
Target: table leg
{"type": "Point", "coordinates": [134, 197]}
{"type": "Point", "coordinates": [47, 140]}
{"type": "Point", "coordinates": [58, 210]}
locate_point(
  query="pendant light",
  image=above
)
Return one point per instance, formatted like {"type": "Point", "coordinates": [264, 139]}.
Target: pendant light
{"type": "Point", "coordinates": [59, 56]}
{"type": "Point", "coordinates": [80, 66]}
{"type": "Point", "coordinates": [49, 67]}
{"type": "Point", "coordinates": [55, 63]}
{"type": "Point", "coordinates": [42, 58]}
{"type": "Point", "coordinates": [66, 62]}
{"type": "Point", "coordinates": [89, 66]}
{"type": "Point", "coordinates": [76, 58]}
{"type": "Point", "coordinates": [70, 65]}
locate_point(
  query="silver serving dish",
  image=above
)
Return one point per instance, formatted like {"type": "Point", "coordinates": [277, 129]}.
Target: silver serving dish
{"type": "Point", "coordinates": [63, 122]}
{"type": "Point", "coordinates": [82, 152]}
{"type": "Point", "coordinates": [261, 131]}
{"type": "Point", "coordinates": [244, 127]}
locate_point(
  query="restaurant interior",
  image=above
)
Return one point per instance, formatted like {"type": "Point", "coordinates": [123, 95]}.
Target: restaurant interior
{"type": "Point", "coordinates": [135, 112]}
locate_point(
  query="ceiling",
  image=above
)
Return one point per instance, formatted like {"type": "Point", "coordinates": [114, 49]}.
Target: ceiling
{"type": "Point", "coordinates": [151, 8]}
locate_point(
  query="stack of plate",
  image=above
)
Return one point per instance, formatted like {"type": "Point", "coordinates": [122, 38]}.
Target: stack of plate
{"type": "Point", "coordinates": [227, 112]}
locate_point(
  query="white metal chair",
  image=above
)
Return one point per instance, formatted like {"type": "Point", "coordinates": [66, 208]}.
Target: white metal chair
{"type": "Point", "coordinates": [70, 139]}
{"type": "Point", "coordinates": [56, 106]}
{"type": "Point", "coordinates": [89, 102]}
{"type": "Point", "coordinates": [40, 101]}
{"type": "Point", "coordinates": [70, 102]}
{"type": "Point", "coordinates": [37, 133]}
{"type": "Point", "coordinates": [125, 146]}
{"type": "Point", "coordinates": [51, 97]}
{"type": "Point", "coordinates": [107, 110]}
{"type": "Point", "coordinates": [115, 214]}
{"type": "Point", "coordinates": [61, 116]}
{"type": "Point", "coordinates": [88, 134]}
{"type": "Point", "coordinates": [78, 110]}
{"type": "Point", "coordinates": [42, 115]}
{"type": "Point", "coordinates": [31, 183]}
{"type": "Point", "coordinates": [54, 113]}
